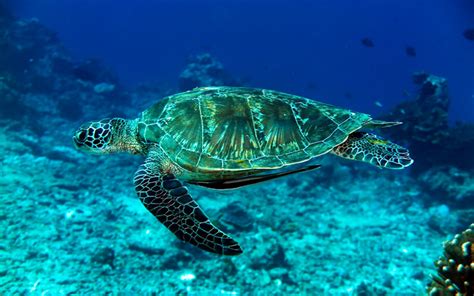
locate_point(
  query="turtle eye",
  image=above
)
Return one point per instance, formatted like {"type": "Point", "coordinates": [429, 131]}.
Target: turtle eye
{"type": "Point", "coordinates": [81, 136]}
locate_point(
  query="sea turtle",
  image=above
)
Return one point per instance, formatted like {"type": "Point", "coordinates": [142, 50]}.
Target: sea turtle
{"type": "Point", "coordinates": [228, 137]}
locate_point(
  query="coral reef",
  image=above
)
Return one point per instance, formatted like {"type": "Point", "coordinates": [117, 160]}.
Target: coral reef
{"type": "Point", "coordinates": [456, 268]}
{"type": "Point", "coordinates": [38, 77]}
{"type": "Point", "coordinates": [442, 162]}
{"type": "Point", "coordinates": [93, 70]}
{"type": "Point", "coordinates": [204, 70]}
{"type": "Point", "coordinates": [450, 181]}
{"type": "Point", "coordinates": [426, 119]}
{"type": "Point", "coordinates": [294, 231]}
{"type": "Point", "coordinates": [426, 127]}
{"type": "Point", "coordinates": [71, 223]}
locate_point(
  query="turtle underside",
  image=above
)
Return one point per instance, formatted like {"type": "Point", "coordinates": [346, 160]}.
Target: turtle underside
{"type": "Point", "coordinates": [233, 128]}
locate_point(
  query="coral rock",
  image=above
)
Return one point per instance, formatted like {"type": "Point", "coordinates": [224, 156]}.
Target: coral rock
{"type": "Point", "coordinates": [204, 70]}
{"type": "Point", "coordinates": [456, 268]}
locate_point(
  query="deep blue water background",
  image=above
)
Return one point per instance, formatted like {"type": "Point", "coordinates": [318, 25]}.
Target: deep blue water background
{"type": "Point", "coordinates": [305, 47]}
{"type": "Point", "coordinates": [310, 48]}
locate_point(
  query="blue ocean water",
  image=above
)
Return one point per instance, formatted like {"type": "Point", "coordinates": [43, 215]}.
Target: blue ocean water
{"type": "Point", "coordinates": [311, 48]}
{"type": "Point", "coordinates": [72, 223]}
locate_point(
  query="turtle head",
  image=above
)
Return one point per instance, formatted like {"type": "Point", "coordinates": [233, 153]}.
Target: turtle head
{"type": "Point", "coordinates": [100, 137]}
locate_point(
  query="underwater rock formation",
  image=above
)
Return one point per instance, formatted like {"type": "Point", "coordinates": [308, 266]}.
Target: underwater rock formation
{"type": "Point", "coordinates": [38, 77]}
{"type": "Point", "coordinates": [9, 103]}
{"type": "Point", "coordinates": [456, 268]}
{"type": "Point", "coordinates": [204, 70]}
{"type": "Point", "coordinates": [426, 118]}
{"type": "Point", "coordinates": [426, 126]}
{"type": "Point", "coordinates": [236, 217]}
{"type": "Point", "coordinates": [72, 224]}
{"type": "Point", "coordinates": [442, 162]}
{"type": "Point", "coordinates": [94, 71]}
{"type": "Point", "coordinates": [31, 54]}
{"type": "Point", "coordinates": [451, 182]}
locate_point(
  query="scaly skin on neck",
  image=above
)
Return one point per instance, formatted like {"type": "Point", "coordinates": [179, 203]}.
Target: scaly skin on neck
{"type": "Point", "coordinates": [126, 137]}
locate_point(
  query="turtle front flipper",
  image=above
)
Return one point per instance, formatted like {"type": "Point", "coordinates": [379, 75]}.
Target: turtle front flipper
{"type": "Point", "coordinates": [169, 201]}
{"type": "Point", "coordinates": [374, 150]}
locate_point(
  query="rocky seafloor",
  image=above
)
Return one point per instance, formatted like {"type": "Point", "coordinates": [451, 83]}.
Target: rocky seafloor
{"type": "Point", "coordinates": [72, 225]}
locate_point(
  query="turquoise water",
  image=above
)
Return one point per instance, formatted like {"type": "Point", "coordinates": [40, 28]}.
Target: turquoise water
{"type": "Point", "coordinates": [72, 223]}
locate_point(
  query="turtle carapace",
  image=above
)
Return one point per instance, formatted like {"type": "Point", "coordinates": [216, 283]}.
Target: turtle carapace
{"type": "Point", "coordinates": [228, 137]}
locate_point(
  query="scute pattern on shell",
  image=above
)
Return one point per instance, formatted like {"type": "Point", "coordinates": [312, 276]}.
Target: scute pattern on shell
{"type": "Point", "coordinates": [234, 128]}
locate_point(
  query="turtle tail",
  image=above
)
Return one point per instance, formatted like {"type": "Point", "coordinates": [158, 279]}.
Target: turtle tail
{"type": "Point", "coordinates": [374, 150]}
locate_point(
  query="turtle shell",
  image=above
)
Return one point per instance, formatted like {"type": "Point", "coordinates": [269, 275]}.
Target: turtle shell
{"type": "Point", "coordinates": [235, 128]}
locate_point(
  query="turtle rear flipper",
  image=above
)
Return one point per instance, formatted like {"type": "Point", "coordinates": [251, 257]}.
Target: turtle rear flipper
{"type": "Point", "coordinates": [169, 201]}
{"type": "Point", "coordinates": [374, 150]}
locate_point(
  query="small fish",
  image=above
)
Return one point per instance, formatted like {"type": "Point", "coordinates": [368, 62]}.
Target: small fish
{"type": "Point", "coordinates": [378, 104]}
{"type": "Point", "coordinates": [410, 51]}
{"type": "Point", "coordinates": [367, 42]}
{"type": "Point", "coordinates": [469, 34]}
{"type": "Point", "coordinates": [348, 95]}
